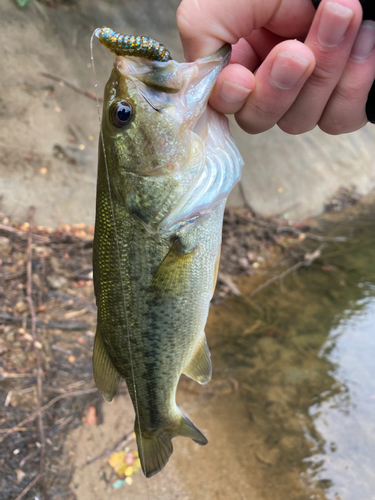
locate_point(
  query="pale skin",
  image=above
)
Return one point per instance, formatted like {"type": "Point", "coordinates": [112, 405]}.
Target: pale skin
{"type": "Point", "coordinates": [311, 67]}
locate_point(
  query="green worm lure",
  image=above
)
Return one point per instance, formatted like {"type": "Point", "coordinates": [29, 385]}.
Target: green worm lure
{"type": "Point", "coordinates": [138, 46]}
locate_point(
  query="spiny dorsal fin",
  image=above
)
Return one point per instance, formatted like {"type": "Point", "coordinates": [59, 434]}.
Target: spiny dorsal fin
{"type": "Point", "coordinates": [200, 367]}
{"type": "Point", "coordinates": [105, 374]}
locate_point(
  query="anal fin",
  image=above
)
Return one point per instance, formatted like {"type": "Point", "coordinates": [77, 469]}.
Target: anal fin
{"type": "Point", "coordinates": [199, 367]}
{"type": "Point", "coordinates": [105, 374]}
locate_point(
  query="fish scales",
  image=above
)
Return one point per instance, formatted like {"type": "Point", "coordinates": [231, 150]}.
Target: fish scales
{"type": "Point", "coordinates": [166, 165]}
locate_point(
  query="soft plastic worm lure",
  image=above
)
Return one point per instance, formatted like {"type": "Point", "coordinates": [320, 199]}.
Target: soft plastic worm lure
{"type": "Point", "coordinates": [139, 46]}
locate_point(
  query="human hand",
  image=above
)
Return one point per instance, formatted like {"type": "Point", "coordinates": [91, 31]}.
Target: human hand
{"type": "Point", "coordinates": [311, 68]}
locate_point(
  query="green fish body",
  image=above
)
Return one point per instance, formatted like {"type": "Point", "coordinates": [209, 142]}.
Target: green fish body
{"type": "Point", "coordinates": [166, 165]}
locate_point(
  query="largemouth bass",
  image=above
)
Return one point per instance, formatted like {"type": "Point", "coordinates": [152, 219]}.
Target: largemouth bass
{"type": "Point", "coordinates": [167, 163]}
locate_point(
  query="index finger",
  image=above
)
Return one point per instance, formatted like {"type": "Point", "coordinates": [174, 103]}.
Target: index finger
{"type": "Point", "coordinates": [205, 25]}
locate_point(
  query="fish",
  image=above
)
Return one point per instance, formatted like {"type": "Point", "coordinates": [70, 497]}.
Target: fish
{"type": "Point", "coordinates": [167, 162]}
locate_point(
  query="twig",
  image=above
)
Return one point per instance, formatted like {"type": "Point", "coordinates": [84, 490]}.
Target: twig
{"type": "Point", "coordinates": [58, 325]}
{"type": "Point", "coordinates": [33, 415]}
{"type": "Point", "coordinates": [311, 236]}
{"type": "Point", "coordinates": [118, 446]}
{"type": "Point", "coordinates": [16, 375]}
{"type": "Point", "coordinates": [39, 391]}
{"type": "Point", "coordinates": [291, 229]}
{"type": "Point", "coordinates": [86, 93]}
{"type": "Point", "coordinates": [227, 280]}
{"type": "Point", "coordinates": [22, 235]}
{"type": "Point", "coordinates": [28, 487]}
{"type": "Point", "coordinates": [13, 276]}
{"type": "Point", "coordinates": [309, 259]}
{"type": "Point", "coordinates": [80, 271]}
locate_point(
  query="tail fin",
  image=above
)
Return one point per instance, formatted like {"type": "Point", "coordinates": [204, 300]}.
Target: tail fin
{"type": "Point", "coordinates": [155, 451]}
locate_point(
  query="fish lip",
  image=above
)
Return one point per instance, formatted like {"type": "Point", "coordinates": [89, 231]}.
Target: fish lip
{"type": "Point", "coordinates": [161, 76]}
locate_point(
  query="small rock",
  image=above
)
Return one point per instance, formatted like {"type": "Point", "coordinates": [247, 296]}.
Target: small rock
{"type": "Point", "coordinates": [91, 416]}
{"type": "Point", "coordinates": [20, 475]}
{"type": "Point", "coordinates": [21, 307]}
{"type": "Point", "coordinates": [243, 262]}
{"type": "Point", "coordinates": [252, 256]}
{"type": "Point", "coordinates": [268, 456]}
{"type": "Point", "coordinates": [56, 282]}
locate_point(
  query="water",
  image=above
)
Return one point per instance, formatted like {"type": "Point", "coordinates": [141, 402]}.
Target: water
{"type": "Point", "coordinates": [295, 377]}
{"type": "Point", "coordinates": [347, 425]}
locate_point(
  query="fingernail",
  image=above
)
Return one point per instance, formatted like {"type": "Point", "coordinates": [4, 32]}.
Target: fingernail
{"type": "Point", "coordinates": [365, 41]}
{"type": "Point", "coordinates": [334, 23]}
{"type": "Point", "coordinates": [287, 69]}
{"type": "Point", "coordinates": [233, 93]}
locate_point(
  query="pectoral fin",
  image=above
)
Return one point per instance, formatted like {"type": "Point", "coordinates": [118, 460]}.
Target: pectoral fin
{"type": "Point", "coordinates": [200, 367]}
{"type": "Point", "coordinates": [173, 273]}
{"type": "Point", "coordinates": [105, 374]}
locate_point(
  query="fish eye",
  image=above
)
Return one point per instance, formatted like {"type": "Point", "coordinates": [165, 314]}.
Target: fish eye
{"type": "Point", "coordinates": [121, 113]}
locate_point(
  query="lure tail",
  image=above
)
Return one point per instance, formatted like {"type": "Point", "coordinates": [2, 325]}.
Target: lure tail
{"type": "Point", "coordinates": [154, 451]}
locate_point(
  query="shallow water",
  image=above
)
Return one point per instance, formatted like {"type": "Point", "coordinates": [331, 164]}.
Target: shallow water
{"type": "Point", "coordinates": [290, 412]}
{"type": "Point", "coordinates": [303, 361]}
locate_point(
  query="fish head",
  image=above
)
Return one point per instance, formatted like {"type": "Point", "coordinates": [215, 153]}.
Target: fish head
{"type": "Point", "coordinates": [150, 109]}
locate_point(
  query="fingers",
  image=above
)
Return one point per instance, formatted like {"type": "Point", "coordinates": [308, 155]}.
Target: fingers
{"type": "Point", "coordinates": [232, 89]}
{"type": "Point", "coordinates": [330, 39]}
{"type": "Point", "coordinates": [236, 81]}
{"type": "Point", "coordinates": [345, 111]}
{"type": "Point", "coordinates": [205, 25]}
{"type": "Point", "coordinates": [324, 81]}
{"type": "Point", "coordinates": [278, 82]}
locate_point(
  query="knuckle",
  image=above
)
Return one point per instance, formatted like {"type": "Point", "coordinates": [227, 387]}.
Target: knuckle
{"type": "Point", "coordinates": [293, 127]}
{"type": "Point", "coordinates": [184, 19]}
{"type": "Point", "coordinates": [269, 110]}
{"type": "Point", "coordinates": [251, 127]}
{"type": "Point", "coordinates": [350, 93]}
{"type": "Point", "coordinates": [331, 128]}
{"type": "Point", "coordinates": [320, 77]}
{"type": "Point", "coordinates": [346, 110]}
{"type": "Point", "coordinates": [338, 124]}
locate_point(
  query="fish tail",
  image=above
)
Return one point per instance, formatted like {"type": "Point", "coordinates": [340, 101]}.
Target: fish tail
{"type": "Point", "coordinates": [154, 451]}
